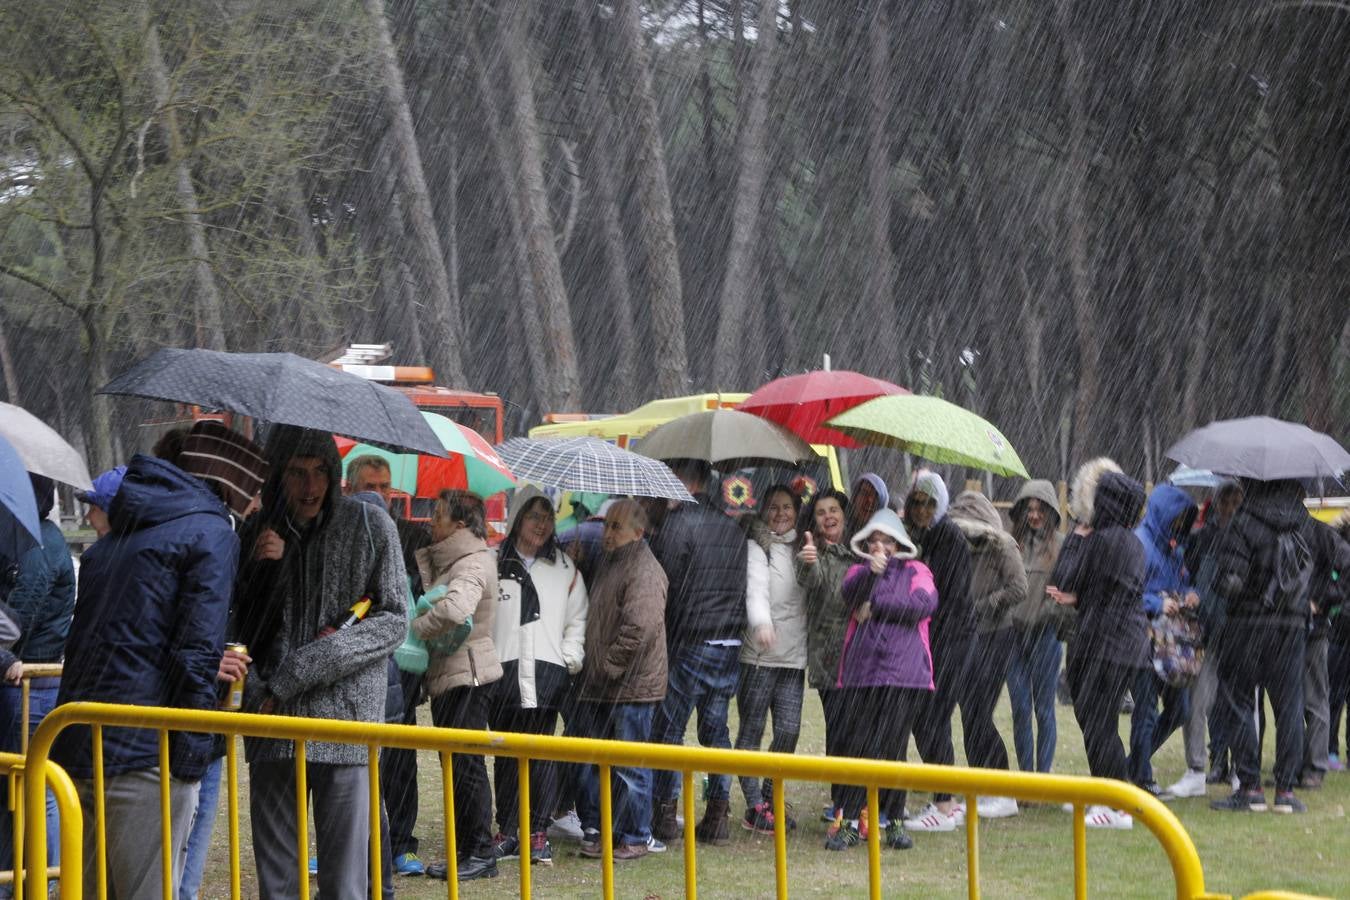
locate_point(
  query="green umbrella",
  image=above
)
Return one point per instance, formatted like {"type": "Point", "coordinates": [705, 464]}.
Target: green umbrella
{"type": "Point", "coordinates": [934, 429]}
{"type": "Point", "coordinates": [472, 463]}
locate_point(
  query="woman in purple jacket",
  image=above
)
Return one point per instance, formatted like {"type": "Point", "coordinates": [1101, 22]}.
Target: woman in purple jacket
{"type": "Point", "coordinates": [887, 667]}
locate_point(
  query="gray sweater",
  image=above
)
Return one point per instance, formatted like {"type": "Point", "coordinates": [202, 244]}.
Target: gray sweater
{"type": "Point", "coordinates": [354, 552]}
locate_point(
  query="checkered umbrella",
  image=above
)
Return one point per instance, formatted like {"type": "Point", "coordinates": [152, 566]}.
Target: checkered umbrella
{"type": "Point", "coordinates": [590, 464]}
{"type": "Point", "coordinates": [282, 388]}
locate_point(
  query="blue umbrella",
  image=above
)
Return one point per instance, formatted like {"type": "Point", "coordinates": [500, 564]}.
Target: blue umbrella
{"type": "Point", "coordinates": [18, 510]}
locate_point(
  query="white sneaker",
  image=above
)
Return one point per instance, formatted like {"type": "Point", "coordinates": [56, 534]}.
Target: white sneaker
{"type": "Point", "coordinates": [996, 807]}
{"type": "Point", "coordinates": [1105, 817]}
{"type": "Point", "coordinates": [930, 818]}
{"type": "Point", "coordinates": [655, 846]}
{"type": "Point", "coordinates": [566, 827]}
{"type": "Point", "coordinates": [959, 812]}
{"type": "Point", "coordinates": [1192, 784]}
{"type": "Point", "coordinates": [1235, 782]}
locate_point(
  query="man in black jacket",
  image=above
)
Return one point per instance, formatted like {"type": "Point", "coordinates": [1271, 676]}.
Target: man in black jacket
{"type": "Point", "coordinates": [703, 554]}
{"type": "Point", "coordinates": [1266, 638]}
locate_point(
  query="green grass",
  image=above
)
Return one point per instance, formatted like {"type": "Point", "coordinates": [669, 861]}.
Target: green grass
{"type": "Point", "coordinates": [1026, 856]}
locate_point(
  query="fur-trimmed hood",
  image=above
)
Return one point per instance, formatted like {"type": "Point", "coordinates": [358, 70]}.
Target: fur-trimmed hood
{"type": "Point", "coordinates": [1083, 490]}
{"type": "Point", "coordinates": [887, 522]}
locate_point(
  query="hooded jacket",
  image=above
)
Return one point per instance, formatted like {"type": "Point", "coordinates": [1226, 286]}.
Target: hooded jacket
{"type": "Point", "coordinates": [544, 644]}
{"type": "Point", "coordinates": [43, 597]}
{"type": "Point", "coordinates": [878, 485]}
{"type": "Point", "coordinates": [703, 554]}
{"type": "Point", "coordinates": [348, 551]}
{"type": "Point", "coordinates": [1245, 555]}
{"type": "Point", "coordinates": [1167, 520]}
{"type": "Point", "coordinates": [1040, 550]}
{"type": "Point", "coordinates": [1108, 577]}
{"type": "Point", "coordinates": [625, 629]}
{"type": "Point", "coordinates": [149, 627]}
{"type": "Point", "coordinates": [468, 570]}
{"type": "Point", "coordinates": [773, 597]}
{"type": "Point", "coordinates": [943, 548]}
{"type": "Point", "coordinates": [1082, 496]}
{"type": "Point", "coordinates": [998, 581]}
{"type": "Point", "coordinates": [890, 648]}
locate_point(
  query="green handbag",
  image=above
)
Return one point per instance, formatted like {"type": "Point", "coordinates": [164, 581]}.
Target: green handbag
{"type": "Point", "coordinates": [445, 644]}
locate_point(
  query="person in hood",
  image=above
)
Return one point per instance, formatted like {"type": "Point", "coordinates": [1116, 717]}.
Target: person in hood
{"type": "Point", "coordinates": [1034, 667]}
{"type": "Point", "coordinates": [773, 653]}
{"type": "Point", "coordinates": [1338, 655]}
{"type": "Point", "coordinates": [1204, 712]}
{"type": "Point", "coordinates": [703, 554]}
{"type": "Point", "coordinates": [868, 494]}
{"type": "Point", "coordinates": [1262, 568]}
{"type": "Point", "coordinates": [539, 631]}
{"type": "Point", "coordinates": [311, 556]}
{"type": "Point", "coordinates": [998, 583]}
{"type": "Point", "coordinates": [461, 577]}
{"type": "Point", "coordinates": [886, 670]}
{"type": "Point", "coordinates": [1168, 518]}
{"type": "Point", "coordinates": [149, 630]}
{"type": "Point", "coordinates": [1331, 557]}
{"type": "Point", "coordinates": [943, 548]}
{"type": "Point", "coordinates": [1104, 581]}
{"type": "Point", "coordinates": [822, 562]}
{"type": "Point", "coordinates": [99, 498]}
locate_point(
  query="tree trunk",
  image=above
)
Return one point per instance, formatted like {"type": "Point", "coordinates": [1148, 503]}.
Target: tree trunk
{"type": "Point", "coordinates": [12, 392]}
{"type": "Point", "coordinates": [877, 303]}
{"type": "Point", "coordinates": [448, 346]}
{"type": "Point", "coordinates": [738, 283]}
{"type": "Point", "coordinates": [544, 264]}
{"type": "Point", "coordinates": [656, 228]}
{"type": "Point", "coordinates": [210, 320]}
{"type": "Point", "coordinates": [400, 296]}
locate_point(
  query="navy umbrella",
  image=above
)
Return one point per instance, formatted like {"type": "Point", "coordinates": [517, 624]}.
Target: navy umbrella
{"type": "Point", "coordinates": [19, 529]}
{"type": "Point", "coordinates": [282, 388]}
{"type": "Point", "coordinates": [1262, 448]}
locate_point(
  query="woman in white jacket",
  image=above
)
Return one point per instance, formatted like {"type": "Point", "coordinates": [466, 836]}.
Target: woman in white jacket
{"type": "Point", "coordinates": [773, 653]}
{"type": "Point", "coordinates": [539, 632]}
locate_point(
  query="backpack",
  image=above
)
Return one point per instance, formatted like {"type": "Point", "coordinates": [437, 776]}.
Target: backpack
{"type": "Point", "coordinates": [1291, 566]}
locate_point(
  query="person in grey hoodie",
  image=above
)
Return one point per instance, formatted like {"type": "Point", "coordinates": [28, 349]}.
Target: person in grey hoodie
{"type": "Point", "coordinates": [1036, 651]}
{"type": "Point", "coordinates": [311, 556]}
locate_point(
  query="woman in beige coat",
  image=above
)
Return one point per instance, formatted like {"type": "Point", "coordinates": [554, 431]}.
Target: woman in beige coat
{"type": "Point", "coordinates": [460, 573]}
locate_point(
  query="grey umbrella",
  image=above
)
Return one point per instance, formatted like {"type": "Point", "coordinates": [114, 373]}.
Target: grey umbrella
{"type": "Point", "coordinates": [42, 450]}
{"type": "Point", "coordinates": [725, 436]}
{"type": "Point", "coordinates": [1262, 448]}
{"type": "Point", "coordinates": [590, 464]}
{"type": "Point", "coordinates": [282, 388]}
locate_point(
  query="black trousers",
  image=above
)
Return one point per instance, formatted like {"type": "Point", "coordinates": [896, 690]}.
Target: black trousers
{"type": "Point", "coordinates": [505, 714]}
{"type": "Point", "coordinates": [398, 777]}
{"type": "Point", "coordinates": [1269, 657]}
{"type": "Point", "coordinates": [984, 683]}
{"type": "Point", "coordinates": [1098, 687]}
{"type": "Point", "coordinates": [933, 728]}
{"type": "Point", "coordinates": [467, 707]}
{"type": "Point", "coordinates": [832, 705]}
{"type": "Point", "coordinates": [878, 725]}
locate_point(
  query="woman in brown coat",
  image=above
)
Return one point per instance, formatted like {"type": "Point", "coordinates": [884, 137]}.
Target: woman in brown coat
{"type": "Point", "coordinates": [460, 573]}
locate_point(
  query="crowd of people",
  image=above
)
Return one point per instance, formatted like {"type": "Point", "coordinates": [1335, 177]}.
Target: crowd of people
{"type": "Point", "coordinates": [642, 614]}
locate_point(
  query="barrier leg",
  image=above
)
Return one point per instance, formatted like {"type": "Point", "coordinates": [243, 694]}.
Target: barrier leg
{"type": "Point", "coordinates": [302, 817]}
{"type": "Point", "coordinates": [232, 813]}
{"type": "Point", "coordinates": [606, 832]}
{"type": "Point", "coordinates": [873, 842]}
{"type": "Point", "coordinates": [972, 847]}
{"type": "Point", "coordinates": [690, 862]}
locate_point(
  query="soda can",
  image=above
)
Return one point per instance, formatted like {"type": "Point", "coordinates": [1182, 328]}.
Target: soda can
{"type": "Point", "coordinates": [234, 696]}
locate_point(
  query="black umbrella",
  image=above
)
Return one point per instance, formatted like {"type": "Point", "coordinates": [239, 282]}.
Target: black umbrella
{"type": "Point", "coordinates": [283, 388]}
{"type": "Point", "coordinates": [1262, 448]}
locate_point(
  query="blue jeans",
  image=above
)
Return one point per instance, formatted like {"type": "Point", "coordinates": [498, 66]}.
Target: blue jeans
{"type": "Point", "coordinates": [40, 702]}
{"type": "Point", "coordinates": [199, 838]}
{"type": "Point", "coordinates": [1149, 730]}
{"type": "Point", "coordinates": [703, 677]}
{"type": "Point", "coordinates": [1032, 678]}
{"type": "Point", "coordinates": [632, 804]}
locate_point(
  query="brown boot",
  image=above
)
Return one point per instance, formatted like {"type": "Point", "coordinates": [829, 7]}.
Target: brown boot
{"type": "Point", "coordinates": [713, 828]}
{"type": "Point", "coordinates": [665, 826]}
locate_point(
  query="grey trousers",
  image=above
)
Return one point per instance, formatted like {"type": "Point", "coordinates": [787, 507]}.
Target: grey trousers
{"type": "Point", "coordinates": [1203, 691]}
{"type": "Point", "coordinates": [1316, 707]}
{"type": "Point", "coordinates": [341, 801]}
{"type": "Point", "coordinates": [133, 828]}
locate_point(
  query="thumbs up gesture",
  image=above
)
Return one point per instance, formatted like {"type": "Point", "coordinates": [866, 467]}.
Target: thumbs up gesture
{"type": "Point", "coordinates": [808, 554]}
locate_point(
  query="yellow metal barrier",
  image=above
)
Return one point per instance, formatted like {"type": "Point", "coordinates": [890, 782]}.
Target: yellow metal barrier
{"type": "Point", "coordinates": [1079, 791]}
{"type": "Point", "coordinates": [12, 766]}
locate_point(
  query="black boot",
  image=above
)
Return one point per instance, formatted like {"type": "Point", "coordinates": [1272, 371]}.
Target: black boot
{"type": "Point", "coordinates": [713, 829]}
{"type": "Point", "coordinates": [665, 826]}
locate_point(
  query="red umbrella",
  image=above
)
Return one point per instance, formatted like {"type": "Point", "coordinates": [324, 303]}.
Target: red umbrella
{"type": "Point", "coordinates": [802, 403]}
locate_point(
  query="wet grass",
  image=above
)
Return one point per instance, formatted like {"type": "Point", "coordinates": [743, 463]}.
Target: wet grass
{"type": "Point", "coordinates": [1026, 856]}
